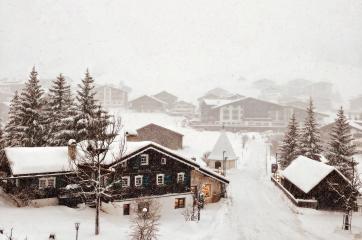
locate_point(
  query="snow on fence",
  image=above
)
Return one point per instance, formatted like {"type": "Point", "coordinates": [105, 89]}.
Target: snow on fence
{"type": "Point", "coordinates": [305, 203]}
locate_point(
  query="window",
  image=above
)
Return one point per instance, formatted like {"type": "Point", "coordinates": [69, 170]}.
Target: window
{"type": "Point", "coordinates": [179, 202]}
{"type": "Point", "coordinates": [126, 208]}
{"type": "Point", "coordinates": [144, 159]}
{"type": "Point", "coordinates": [125, 182]}
{"type": "Point", "coordinates": [138, 180]}
{"type": "Point", "coordinates": [163, 161]}
{"type": "Point", "coordinates": [226, 114]}
{"type": "Point", "coordinates": [235, 114]}
{"type": "Point", "coordinates": [47, 182]}
{"type": "Point", "coordinates": [206, 190]}
{"type": "Point", "coordinates": [160, 179]}
{"type": "Point", "coordinates": [180, 177]}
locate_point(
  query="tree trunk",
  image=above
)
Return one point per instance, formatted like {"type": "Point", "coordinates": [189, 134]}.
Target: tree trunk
{"type": "Point", "coordinates": [97, 215]}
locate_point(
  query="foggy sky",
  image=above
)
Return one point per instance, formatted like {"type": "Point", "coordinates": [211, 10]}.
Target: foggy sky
{"type": "Point", "coordinates": [185, 46]}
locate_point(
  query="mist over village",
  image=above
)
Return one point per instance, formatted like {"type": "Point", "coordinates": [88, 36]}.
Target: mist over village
{"type": "Point", "coordinates": [197, 120]}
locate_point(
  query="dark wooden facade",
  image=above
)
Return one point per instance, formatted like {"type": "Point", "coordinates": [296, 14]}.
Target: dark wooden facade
{"type": "Point", "coordinates": [326, 197]}
{"type": "Point", "coordinates": [149, 172]}
{"type": "Point", "coordinates": [158, 134]}
{"type": "Point", "coordinates": [166, 97]}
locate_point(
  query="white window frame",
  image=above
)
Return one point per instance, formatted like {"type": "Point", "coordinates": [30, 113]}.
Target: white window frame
{"type": "Point", "coordinates": [128, 181]}
{"type": "Point", "coordinates": [180, 174]}
{"type": "Point", "coordinates": [163, 161]}
{"type": "Point", "coordinates": [135, 180]}
{"type": "Point", "coordinates": [146, 157]}
{"type": "Point", "coordinates": [163, 179]}
{"type": "Point", "coordinates": [47, 185]}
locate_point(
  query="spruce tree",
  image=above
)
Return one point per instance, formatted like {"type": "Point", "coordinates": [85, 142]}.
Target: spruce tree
{"type": "Point", "coordinates": [289, 148]}
{"type": "Point", "coordinates": [60, 112]}
{"type": "Point", "coordinates": [341, 149]}
{"type": "Point", "coordinates": [86, 108]}
{"type": "Point", "coordinates": [11, 133]}
{"type": "Point", "coordinates": [310, 142]}
{"type": "Point", "coordinates": [31, 127]}
{"type": "Point", "coordinates": [2, 140]}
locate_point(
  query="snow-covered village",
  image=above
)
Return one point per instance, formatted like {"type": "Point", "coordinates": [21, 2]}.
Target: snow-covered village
{"type": "Point", "coordinates": [200, 120]}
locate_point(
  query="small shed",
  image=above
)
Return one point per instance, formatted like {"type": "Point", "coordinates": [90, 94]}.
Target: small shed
{"type": "Point", "coordinates": [159, 134]}
{"type": "Point", "coordinates": [222, 153]}
{"type": "Point", "coordinates": [306, 179]}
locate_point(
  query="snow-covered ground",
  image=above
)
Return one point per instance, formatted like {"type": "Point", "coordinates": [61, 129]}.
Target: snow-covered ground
{"type": "Point", "coordinates": [254, 209]}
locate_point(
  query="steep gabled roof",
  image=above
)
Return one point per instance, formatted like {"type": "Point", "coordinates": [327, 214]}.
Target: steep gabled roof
{"type": "Point", "coordinates": [162, 95]}
{"type": "Point", "coordinates": [135, 148]}
{"type": "Point", "coordinates": [223, 144]}
{"type": "Point", "coordinates": [306, 173]}
{"type": "Point", "coordinates": [245, 99]}
{"type": "Point", "coordinates": [158, 126]}
{"type": "Point", "coordinates": [150, 98]}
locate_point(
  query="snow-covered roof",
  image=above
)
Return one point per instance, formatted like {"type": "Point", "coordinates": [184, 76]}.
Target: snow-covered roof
{"type": "Point", "coordinates": [223, 144]}
{"type": "Point", "coordinates": [216, 102]}
{"type": "Point", "coordinates": [306, 173]}
{"type": "Point", "coordinates": [37, 160]}
{"type": "Point", "coordinates": [159, 126]}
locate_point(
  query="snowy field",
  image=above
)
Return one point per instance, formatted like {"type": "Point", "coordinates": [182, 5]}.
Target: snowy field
{"type": "Point", "coordinates": [254, 209]}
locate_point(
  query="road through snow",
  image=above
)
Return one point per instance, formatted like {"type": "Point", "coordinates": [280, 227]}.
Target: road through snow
{"type": "Point", "coordinates": [255, 208]}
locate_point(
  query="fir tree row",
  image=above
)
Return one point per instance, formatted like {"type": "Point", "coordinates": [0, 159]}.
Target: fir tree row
{"type": "Point", "coordinates": [306, 141]}
{"type": "Point", "coordinates": [40, 119]}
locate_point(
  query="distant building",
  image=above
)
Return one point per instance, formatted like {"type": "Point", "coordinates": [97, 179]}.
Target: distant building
{"type": "Point", "coordinates": [247, 113]}
{"type": "Point", "coordinates": [8, 88]}
{"type": "Point", "coordinates": [356, 132]}
{"type": "Point", "coordinates": [182, 108]}
{"type": "Point", "coordinates": [308, 180]}
{"type": "Point", "coordinates": [166, 97]}
{"type": "Point", "coordinates": [112, 97]}
{"type": "Point", "coordinates": [147, 103]}
{"type": "Point", "coordinates": [220, 93]}
{"type": "Point", "coordinates": [158, 134]}
{"type": "Point", "coordinates": [222, 156]}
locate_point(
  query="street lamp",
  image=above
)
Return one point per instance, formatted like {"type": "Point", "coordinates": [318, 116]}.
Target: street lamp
{"type": "Point", "coordinates": [224, 160]}
{"type": "Point", "coordinates": [76, 225]}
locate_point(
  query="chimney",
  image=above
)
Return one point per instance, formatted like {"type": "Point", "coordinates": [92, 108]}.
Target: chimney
{"type": "Point", "coordinates": [72, 149]}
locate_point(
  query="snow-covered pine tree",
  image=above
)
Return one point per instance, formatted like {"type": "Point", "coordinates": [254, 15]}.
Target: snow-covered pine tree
{"type": "Point", "coordinates": [310, 142]}
{"type": "Point", "coordinates": [289, 149]}
{"type": "Point", "coordinates": [31, 127]}
{"type": "Point", "coordinates": [2, 140]}
{"type": "Point", "coordinates": [341, 149]}
{"type": "Point", "coordinates": [11, 134]}
{"type": "Point", "coordinates": [60, 112]}
{"type": "Point", "coordinates": [86, 108]}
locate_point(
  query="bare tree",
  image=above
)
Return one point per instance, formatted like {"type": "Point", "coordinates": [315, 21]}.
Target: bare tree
{"type": "Point", "coordinates": [93, 156]}
{"type": "Point", "coordinates": [205, 157]}
{"type": "Point", "coordinates": [347, 194]}
{"type": "Point", "coordinates": [145, 223]}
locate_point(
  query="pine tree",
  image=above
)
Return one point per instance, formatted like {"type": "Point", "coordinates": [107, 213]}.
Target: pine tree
{"type": "Point", "coordinates": [341, 149]}
{"type": "Point", "coordinates": [60, 112]}
{"type": "Point", "coordinates": [11, 134]}
{"type": "Point", "coordinates": [310, 145]}
{"type": "Point", "coordinates": [289, 148]}
{"type": "Point", "coordinates": [31, 127]}
{"type": "Point", "coordinates": [86, 108]}
{"type": "Point", "coordinates": [2, 140]}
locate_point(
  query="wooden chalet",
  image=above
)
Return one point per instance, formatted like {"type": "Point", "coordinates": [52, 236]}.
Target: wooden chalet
{"type": "Point", "coordinates": [183, 108]}
{"type": "Point", "coordinates": [306, 179]}
{"type": "Point", "coordinates": [149, 169]}
{"type": "Point", "coordinates": [40, 172]}
{"type": "Point", "coordinates": [110, 96]}
{"type": "Point", "coordinates": [247, 113]}
{"type": "Point", "coordinates": [166, 97]}
{"type": "Point", "coordinates": [158, 134]}
{"type": "Point", "coordinates": [147, 103]}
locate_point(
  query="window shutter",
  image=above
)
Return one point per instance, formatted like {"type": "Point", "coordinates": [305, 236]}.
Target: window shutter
{"type": "Point", "coordinates": [146, 181]}
{"type": "Point", "coordinates": [168, 179]}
